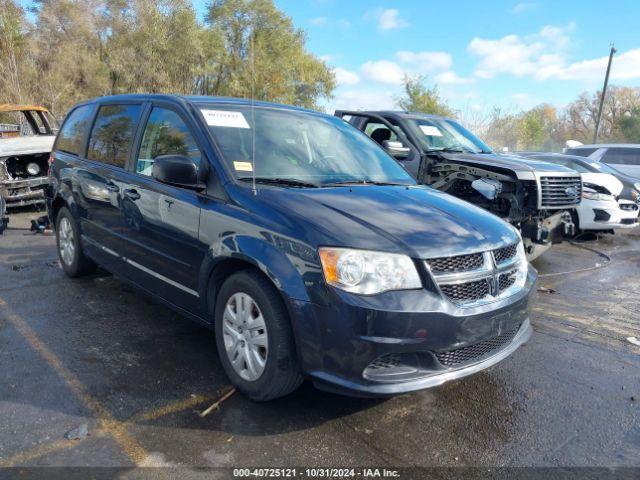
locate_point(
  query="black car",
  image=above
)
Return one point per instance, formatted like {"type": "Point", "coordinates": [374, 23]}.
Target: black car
{"type": "Point", "coordinates": [309, 250]}
{"type": "Point", "coordinates": [535, 196]}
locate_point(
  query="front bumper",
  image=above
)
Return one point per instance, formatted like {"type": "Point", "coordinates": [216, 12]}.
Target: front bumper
{"type": "Point", "coordinates": [21, 193]}
{"type": "Point", "coordinates": [338, 343]}
{"type": "Point", "coordinates": [606, 215]}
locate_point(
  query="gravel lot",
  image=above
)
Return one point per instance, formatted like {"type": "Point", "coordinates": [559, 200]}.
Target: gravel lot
{"type": "Point", "coordinates": [96, 352]}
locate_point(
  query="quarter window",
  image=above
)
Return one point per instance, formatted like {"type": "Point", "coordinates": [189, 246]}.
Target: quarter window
{"type": "Point", "coordinates": [73, 132]}
{"type": "Point", "coordinates": [581, 152]}
{"type": "Point", "coordinates": [165, 134]}
{"type": "Point", "coordinates": [112, 133]}
{"type": "Point", "coordinates": [622, 156]}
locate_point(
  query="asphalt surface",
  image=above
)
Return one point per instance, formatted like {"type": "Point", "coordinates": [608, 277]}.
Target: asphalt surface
{"type": "Point", "coordinates": [94, 351]}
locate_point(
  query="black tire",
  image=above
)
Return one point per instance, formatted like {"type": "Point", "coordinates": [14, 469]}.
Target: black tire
{"type": "Point", "coordinates": [281, 374]}
{"type": "Point", "coordinates": [80, 264]}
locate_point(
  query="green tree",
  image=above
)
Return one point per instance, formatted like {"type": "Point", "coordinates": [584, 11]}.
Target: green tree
{"type": "Point", "coordinates": [262, 53]}
{"type": "Point", "coordinates": [16, 67]}
{"type": "Point", "coordinates": [420, 98]}
{"type": "Point", "coordinates": [629, 127]}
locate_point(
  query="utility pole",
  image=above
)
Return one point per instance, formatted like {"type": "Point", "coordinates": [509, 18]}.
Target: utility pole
{"type": "Point", "coordinates": [604, 93]}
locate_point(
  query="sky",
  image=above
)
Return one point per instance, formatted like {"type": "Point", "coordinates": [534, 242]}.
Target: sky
{"type": "Point", "coordinates": [511, 54]}
{"type": "Point", "coordinates": [482, 53]}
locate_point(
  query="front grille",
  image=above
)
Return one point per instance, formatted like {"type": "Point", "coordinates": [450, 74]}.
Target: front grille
{"type": "Point", "coordinates": [506, 280]}
{"type": "Point", "coordinates": [557, 192]}
{"type": "Point", "coordinates": [467, 292]}
{"type": "Point", "coordinates": [459, 263]}
{"type": "Point", "coordinates": [503, 254]}
{"type": "Point", "coordinates": [471, 279]}
{"type": "Point", "coordinates": [477, 351]}
{"type": "Point", "coordinates": [629, 221]}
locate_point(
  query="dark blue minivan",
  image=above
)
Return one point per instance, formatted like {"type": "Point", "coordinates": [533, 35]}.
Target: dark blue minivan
{"type": "Point", "coordinates": [308, 249]}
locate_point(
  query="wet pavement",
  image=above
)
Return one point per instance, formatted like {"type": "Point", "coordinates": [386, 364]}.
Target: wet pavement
{"type": "Point", "coordinates": [94, 351]}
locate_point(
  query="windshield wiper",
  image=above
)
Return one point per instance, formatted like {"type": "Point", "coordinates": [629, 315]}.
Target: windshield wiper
{"type": "Point", "coordinates": [290, 182]}
{"type": "Point", "coordinates": [447, 150]}
{"type": "Point", "coordinates": [359, 182]}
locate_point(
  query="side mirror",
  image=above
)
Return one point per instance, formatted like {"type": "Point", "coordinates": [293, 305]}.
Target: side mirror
{"type": "Point", "coordinates": [177, 170]}
{"type": "Point", "coordinates": [396, 149]}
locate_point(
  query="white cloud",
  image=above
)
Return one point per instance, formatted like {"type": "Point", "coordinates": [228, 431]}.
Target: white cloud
{"type": "Point", "coordinates": [387, 19]}
{"type": "Point", "coordinates": [524, 7]}
{"type": "Point", "coordinates": [533, 55]}
{"type": "Point", "coordinates": [451, 78]}
{"type": "Point", "coordinates": [523, 100]}
{"type": "Point", "coordinates": [350, 99]}
{"type": "Point", "coordinates": [383, 71]}
{"type": "Point", "coordinates": [426, 62]}
{"type": "Point", "coordinates": [345, 77]}
{"type": "Point", "coordinates": [625, 66]}
{"type": "Point", "coordinates": [319, 21]}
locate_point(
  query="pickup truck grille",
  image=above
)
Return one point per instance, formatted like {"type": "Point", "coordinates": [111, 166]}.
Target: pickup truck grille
{"type": "Point", "coordinates": [560, 191]}
{"type": "Point", "coordinates": [474, 279]}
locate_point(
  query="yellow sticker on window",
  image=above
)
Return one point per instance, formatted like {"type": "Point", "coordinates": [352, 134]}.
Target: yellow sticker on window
{"type": "Point", "coordinates": [243, 166]}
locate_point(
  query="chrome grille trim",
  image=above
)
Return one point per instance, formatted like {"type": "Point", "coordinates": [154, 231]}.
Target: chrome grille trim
{"type": "Point", "coordinates": [551, 190]}
{"type": "Point", "coordinates": [493, 279]}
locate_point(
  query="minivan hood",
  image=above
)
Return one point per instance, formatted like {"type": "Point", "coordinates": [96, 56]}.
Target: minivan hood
{"type": "Point", "coordinates": [524, 168]}
{"type": "Point", "coordinates": [416, 220]}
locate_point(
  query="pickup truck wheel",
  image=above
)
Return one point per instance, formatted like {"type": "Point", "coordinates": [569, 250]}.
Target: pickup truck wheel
{"type": "Point", "coordinates": [254, 337]}
{"type": "Point", "coordinates": [72, 258]}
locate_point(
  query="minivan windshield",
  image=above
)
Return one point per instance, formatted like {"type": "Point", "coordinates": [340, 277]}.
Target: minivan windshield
{"type": "Point", "coordinates": [446, 135]}
{"type": "Point", "coordinates": [297, 148]}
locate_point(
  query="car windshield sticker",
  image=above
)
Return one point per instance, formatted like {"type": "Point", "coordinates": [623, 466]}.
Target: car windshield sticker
{"type": "Point", "coordinates": [243, 166]}
{"type": "Point", "coordinates": [224, 118]}
{"type": "Point", "coordinates": [430, 131]}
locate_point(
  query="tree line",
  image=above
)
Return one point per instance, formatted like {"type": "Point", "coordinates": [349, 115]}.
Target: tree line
{"type": "Point", "coordinates": [541, 128]}
{"type": "Point", "coordinates": [65, 51]}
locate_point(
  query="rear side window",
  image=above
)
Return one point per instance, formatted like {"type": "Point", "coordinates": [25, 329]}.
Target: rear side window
{"type": "Point", "coordinates": [581, 152]}
{"type": "Point", "coordinates": [622, 156]}
{"type": "Point", "coordinates": [112, 132]}
{"type": "Point", "coordinates": [73, 132]}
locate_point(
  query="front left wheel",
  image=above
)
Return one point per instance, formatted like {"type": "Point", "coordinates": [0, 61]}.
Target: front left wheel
{"type": "Point", "coordinates": [254, 337]}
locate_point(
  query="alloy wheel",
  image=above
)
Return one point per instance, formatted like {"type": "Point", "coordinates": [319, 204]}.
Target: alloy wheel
{"type": "Point", "coordinates": [66, 244]}
{"type": "Point", "coordinates": [245, 336]}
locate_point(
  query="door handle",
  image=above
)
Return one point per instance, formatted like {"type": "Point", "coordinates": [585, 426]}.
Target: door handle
{"type": "Point", "coordinates": [112, 187]}
{"type": "Point", "coordinates": [132, 194]}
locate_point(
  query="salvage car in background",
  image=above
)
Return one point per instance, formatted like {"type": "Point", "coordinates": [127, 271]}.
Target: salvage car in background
{"type": "Point", "coordinates": [535, 196]}
{"type": "Point", "coordinates": [624, 157]}
{"type": "Point", "coordinates": [27, 133]}
{"type": "Point", "coordinates": [603, 208]}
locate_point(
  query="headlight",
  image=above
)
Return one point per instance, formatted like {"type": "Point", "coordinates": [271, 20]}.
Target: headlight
{"type": "Point", "coordinates": [596, 196]}
{"type": "Point", "coordinates": [33, 168]}
{"type": "Point", "coordinates": [366, 272]}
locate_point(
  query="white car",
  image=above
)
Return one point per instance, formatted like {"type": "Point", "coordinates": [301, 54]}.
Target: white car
{"type": "Point", "coordinates": [601, 207]}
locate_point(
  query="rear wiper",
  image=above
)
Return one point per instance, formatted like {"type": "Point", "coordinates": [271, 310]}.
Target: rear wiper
{"type": "Point", "coordinates": [290, 182]}
{"type": "Point", "coordinates": [358, 182]}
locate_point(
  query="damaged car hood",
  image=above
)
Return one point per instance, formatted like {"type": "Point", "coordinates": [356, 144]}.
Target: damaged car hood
{"type": "Point", "coordinates": [26, 145]}
{"type": "Point", "coordinates": [523, 168]}
{"type": "Point", "coordinates": [417, 221]}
